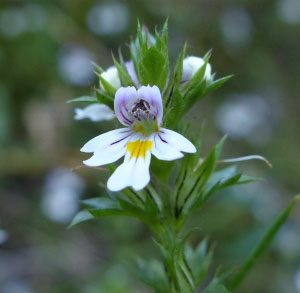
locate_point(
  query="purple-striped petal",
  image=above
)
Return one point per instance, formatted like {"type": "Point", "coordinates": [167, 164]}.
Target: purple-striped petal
{"type": "Point", "coordinates": [124, 99]}
{"type": "Point", "coordinates": [152, 95]}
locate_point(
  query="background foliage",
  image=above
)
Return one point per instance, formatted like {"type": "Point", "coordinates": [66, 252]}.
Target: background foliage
{"type": "Point", "coordinates": [46, 49]}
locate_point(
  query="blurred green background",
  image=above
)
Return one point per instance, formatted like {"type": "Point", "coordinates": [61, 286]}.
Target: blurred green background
{"type": "Point", "coordinates": [46, 49]}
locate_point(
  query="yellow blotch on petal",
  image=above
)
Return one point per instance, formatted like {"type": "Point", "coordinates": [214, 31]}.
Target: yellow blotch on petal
{"type": "Point", "coordinates": [139, 148]}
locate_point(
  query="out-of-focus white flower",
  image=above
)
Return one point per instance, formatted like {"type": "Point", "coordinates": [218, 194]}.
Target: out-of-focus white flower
{"type": "Point", "coordinates": [141, 111]}
{"type": "Point", "coordinates": [3, 236]}
{"type": "Point", "coordinates": [191, 65]}
{"type": "Point", "coordinates": [111, 75]}
{"type": "Point", "coordinates": [75, 65]}
{"type": "Point", "coordinates": [246, 116]}
{"type": "Point", "coordinates": [236, 26]}
{"type": "Point", "coordinates": [94, 112]}
{"type": "Point", "coordinates": [289, 11]}
{"type": "Point", "coordinates": [297, 280]}
{"type": "Point", "coordinates": [12, 22]}
{"type": "Point", "coordinates": [108, 18]}
{"type": "Point", "coordinates": [61, 195]}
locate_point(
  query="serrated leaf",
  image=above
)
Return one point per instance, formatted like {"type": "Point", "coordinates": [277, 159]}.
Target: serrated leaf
{"type": "Point", "coordinates": [153, 68]}
{"type": "Point", "coordinates": [83, 99]}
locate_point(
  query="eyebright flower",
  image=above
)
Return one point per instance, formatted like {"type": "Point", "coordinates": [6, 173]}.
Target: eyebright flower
{"type": "Point", "coordinates": [94, 112]}
{"type": "Point", "coordinates": [191, 65]}
{"type": "Point", "coordinates": [141, 112]}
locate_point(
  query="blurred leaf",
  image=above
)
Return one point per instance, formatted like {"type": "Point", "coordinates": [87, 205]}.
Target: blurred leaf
{"type": "Point", "coordinates": [263, 244]}
{"type": "Point", "coordinates": [215, 287]}
{"type": "Point", "coordinates": [81, 217]}
{"type": "Point", "coordinates": [217, 84]}
{"type": "Point", "coordinates": [83, 99]}
{"type": "Point", "coordinates": [199, 260]}
{"type": "Point", "coordinates": [153, 273]}
{"type": "Point", "coordinates": [101, 203]}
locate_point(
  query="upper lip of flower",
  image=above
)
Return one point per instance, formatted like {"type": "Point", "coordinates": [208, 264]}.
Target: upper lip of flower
{"type": "Point", "coordinates": [141, 111]}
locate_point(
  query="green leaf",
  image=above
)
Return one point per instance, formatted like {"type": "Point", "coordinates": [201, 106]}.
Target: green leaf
{"type": "Point", "coordinates": [200, 260]}
{"type": "Point", "coordinates": [174, 83]}
{"type": "Point", "coordinates": [101, 203]}
{"type": "Point", "coordinates": [83, 99]}
{"type": "Point", "coordinates": [81, 217]}
{"type": "Point", "coordinates": [153, 68]}
{"type": "Point", "coordinates": [263, 244]}
{"type": "Point", "coordinates": [153, 273]}
{"type": "Point", "coordinates": [123, 74]}
{"type": "Point", "coordinates": [105, 99]}
{"type": "Point", "coordinates": [107, 87]}
{"type": "Point", "coordinates": [217, 84]}
{"type": "Point", "coordinates": [215, 287]}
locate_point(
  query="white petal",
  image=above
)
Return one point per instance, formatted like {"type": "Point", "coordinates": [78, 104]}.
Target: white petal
{"type": "Point", "coordinates": [104, 140]}
{"type": "Point", "coordinates": [94, 112]}
{"type": "Point", "coordinates": [177, 140]}
{"type": "Point", "coordinates": [111, 75]}
{"type": "Point", "coordinates": [107, 156]}
{"type": "Point", "coordinates": [191, 65]}
{"type": "Point", "coordinates": [132, 173]}
{"type": "Point", "coordinates": [107, 147]}
{"type": "Point", "coordinates": [165, 151]}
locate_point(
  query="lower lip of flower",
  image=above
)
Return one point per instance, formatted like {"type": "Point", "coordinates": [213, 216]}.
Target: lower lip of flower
{"type": "Point", "coordinates": [139, 148]}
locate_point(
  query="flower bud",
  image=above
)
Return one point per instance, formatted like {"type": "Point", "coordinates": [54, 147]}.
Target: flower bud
{"type": "Point", "coordinates": [111, 75]}
{"type": "Point", "coordinates": [191, 65]}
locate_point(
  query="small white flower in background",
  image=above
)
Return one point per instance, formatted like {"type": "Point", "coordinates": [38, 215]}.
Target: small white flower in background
{"type": "Point", "coordinates": [297, 280]}
{"type": "Point", "coordinates": [111, 75]}
{"type": "Point", "coordinates": [94, 112]}
{"type": "Point", "coordinates": [61, 195]}
{"type": "Point", "coordinates": [141, 111]}
{"type": "Point", "coordinates": [191, 65]}
{"type": "Point", "coordinates": [3, 236]}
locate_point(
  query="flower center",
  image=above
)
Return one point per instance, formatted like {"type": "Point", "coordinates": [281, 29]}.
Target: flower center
{"type": "Point", "coordinates": [141, 110]}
